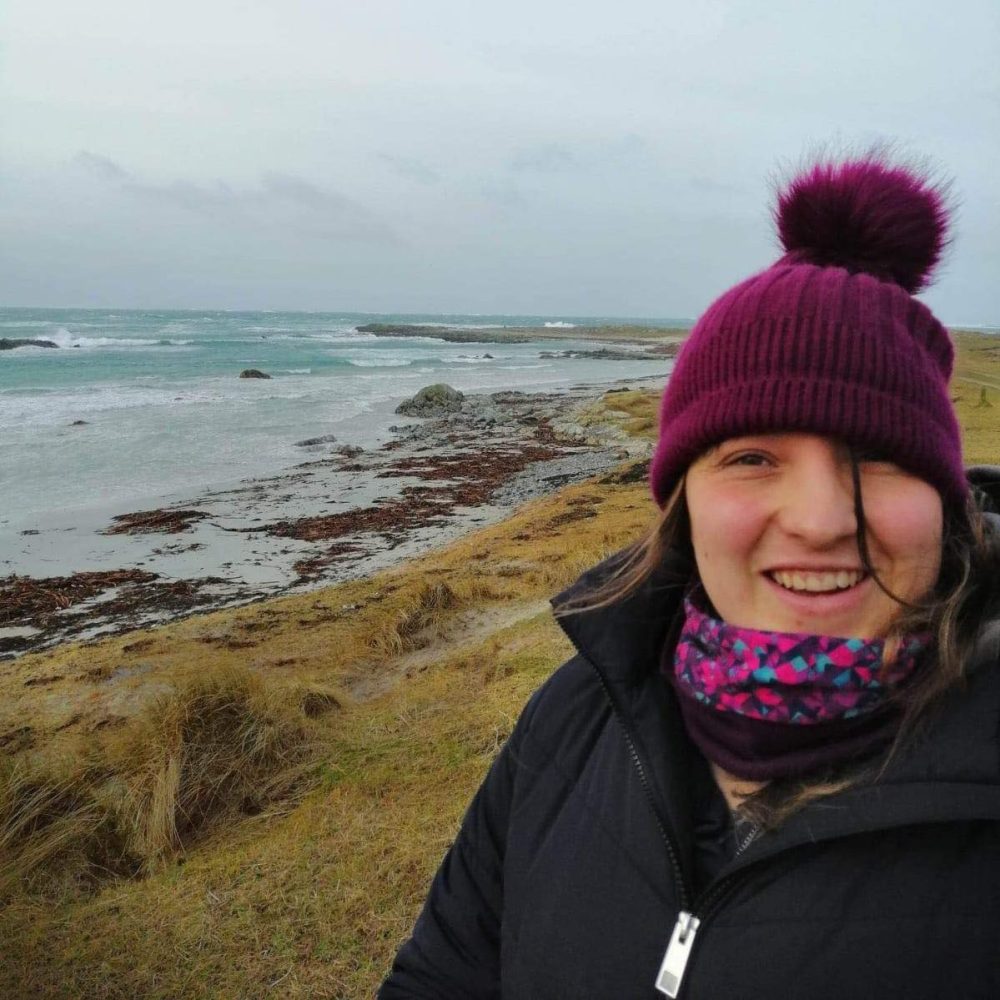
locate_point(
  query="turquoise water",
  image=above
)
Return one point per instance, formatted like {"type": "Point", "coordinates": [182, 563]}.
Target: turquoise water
{"type": "Point", "coordinates": [165, 411]}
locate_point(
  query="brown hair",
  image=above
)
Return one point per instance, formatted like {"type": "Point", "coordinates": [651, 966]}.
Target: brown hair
{"type": "Point", "coordinates": [952, 613]}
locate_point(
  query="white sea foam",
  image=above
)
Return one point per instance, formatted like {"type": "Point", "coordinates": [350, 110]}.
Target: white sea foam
{"type": "Point", "coordinates": [53, 409]}
{"type": "Point", "coordinates": [560, 325]}
{"type": "Point", "coordinates": [331, 337]}
{"type": "Point", "coordinates": [64, 338]}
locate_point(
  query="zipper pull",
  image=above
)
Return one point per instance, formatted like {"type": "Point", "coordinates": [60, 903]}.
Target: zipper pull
{"type": "Point", "coordinates": [668, 979]}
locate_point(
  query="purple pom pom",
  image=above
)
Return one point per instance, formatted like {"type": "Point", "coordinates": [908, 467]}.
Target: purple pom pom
{"type": "Point", "coordinates": [867, 216]}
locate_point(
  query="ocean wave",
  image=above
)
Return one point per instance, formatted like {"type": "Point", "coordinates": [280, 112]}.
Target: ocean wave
{"type": "Point", "coordinates": [331, 337]}
{"type": "Point", "coordinates": [47, 408]}
{"type": "Point", "coordinates": [295, 371]}
{"type": "Point", "coordinates": [64, 338]}
{"type": "Point", "coordinates": [560, 325]}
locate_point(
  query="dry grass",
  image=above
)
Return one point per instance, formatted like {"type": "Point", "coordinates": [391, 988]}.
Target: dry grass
{"type": "Point", "coordinates": [316, 892]}
{"type": "Point", "coordinates": [236, 805]}
{"type": "Point", "coordinates": [221, 745]}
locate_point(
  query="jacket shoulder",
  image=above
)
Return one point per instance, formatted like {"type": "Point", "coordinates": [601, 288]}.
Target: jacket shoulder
{"type": "Point", "coordinates": [570, 693]}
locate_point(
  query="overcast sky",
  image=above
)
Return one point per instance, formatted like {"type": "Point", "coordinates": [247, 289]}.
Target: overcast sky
{"type": "Point", "coordinates": [578, 157]}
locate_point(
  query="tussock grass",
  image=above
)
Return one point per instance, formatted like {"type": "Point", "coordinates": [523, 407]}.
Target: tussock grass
{"type": "Point", "coordinates": [221, 745]}
{"type": "Point", "coordinates": [53, 827]}
{"type": "Point", "coordinates": [224, 743]}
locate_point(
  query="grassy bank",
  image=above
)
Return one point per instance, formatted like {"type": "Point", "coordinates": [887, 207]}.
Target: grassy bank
{"type": "Point", "coordinates": [250, 803]}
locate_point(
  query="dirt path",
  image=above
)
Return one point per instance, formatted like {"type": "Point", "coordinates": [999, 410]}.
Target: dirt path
{"type": "Point", "coordinates": [466, 629]}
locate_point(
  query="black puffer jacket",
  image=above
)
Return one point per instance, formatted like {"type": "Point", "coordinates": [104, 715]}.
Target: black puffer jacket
{"type": "Point", "coordinates": [576, 856]}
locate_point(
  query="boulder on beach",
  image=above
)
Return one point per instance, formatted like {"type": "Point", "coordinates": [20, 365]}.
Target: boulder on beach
{"type": "Point", "coordinates": [322, 439]}
{"type": "Point", "coordinates": [349, 450]}
{"type": "Point", "coordinates": [6, 344]}
{"type": "Point", "coordinates": [432, 401]}
{"type": "Point", "coordinates": [253, 373]}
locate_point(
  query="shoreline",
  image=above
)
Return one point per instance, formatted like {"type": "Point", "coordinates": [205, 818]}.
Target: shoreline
{"type": "Point", "coordinates": [340, 514]}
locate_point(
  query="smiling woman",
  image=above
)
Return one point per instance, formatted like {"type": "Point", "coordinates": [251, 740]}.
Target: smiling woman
{"type": "Point", "coordinates": [774, 530]}
{"type": "Point", "coordinates": [772, 767]}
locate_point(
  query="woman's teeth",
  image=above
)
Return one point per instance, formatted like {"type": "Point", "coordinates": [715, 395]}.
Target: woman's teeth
{"type": "Point", "coordinates": [817, 583]}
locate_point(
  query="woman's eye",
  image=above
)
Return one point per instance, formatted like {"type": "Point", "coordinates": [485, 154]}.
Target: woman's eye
{"type": "Point", "coordinates": [748, 458]}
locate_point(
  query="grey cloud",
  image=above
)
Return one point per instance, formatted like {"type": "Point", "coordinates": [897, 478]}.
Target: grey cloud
{"type": "Point", "coordinates": [547, 158]}
{"type": "Point", "coordinates": [100, 166]}
{"type": "Point", "coordinates": [411, 169]}
{"type": "Point", "coordinates": [281, 200]}
{"type": "Point", "coordinates": [555, 157]}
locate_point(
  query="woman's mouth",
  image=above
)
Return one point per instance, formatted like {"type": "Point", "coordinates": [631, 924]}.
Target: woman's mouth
{"type": "Point", "coordinates": [816, 582]}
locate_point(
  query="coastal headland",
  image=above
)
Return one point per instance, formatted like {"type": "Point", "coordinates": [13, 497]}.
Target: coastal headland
{"type": "Point", "coordinates": [249, 801]}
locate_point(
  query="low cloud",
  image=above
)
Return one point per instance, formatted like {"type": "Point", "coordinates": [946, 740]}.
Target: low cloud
{"type": "Point", "coordinates": [411, 169]}
{"type": "Point", "coordinates": [281, 200]}
{"type": "Point", "coordinates": [556, 157]}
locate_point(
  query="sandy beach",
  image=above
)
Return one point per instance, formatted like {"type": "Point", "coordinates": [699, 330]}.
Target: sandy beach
{"type": "Point", "coordinates": [343, 512]}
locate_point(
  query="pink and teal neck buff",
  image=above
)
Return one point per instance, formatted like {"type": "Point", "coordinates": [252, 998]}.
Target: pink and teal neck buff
{"type": "Point", "coordinates": [765, 705]}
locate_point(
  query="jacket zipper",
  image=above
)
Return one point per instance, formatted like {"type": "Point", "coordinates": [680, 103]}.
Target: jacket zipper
{"type": "Point", "coordinates": [682, 889]}
{"type": "Point", "coordinates": [678, 953]}
{"type": "Point", "coordinates": [748, 839]}
{"type": "Point", "coordinates": [675, 960]}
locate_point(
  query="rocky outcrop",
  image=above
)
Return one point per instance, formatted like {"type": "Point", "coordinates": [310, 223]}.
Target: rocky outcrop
{"type": "Point", "coordinates": [322, 439]}
{"type": "Point", "coordinates": [253, 373]}
{"type": "Point", "coordinates": [432, 401]}
{"type": "Point", "coordinates": [601, 354]}
{"type": "Point", "coordinates": [6, 344]}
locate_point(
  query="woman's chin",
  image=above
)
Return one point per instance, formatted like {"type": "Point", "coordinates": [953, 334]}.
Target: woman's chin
{"type": "Point", "coordinates": [847, 612]}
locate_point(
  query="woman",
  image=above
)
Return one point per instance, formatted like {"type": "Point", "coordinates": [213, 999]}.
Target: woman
{"type": "Point", "coordinates": [773, 765]}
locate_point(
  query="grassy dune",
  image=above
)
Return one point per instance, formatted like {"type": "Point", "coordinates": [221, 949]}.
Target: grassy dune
{"type": "Point", "coordinates": [250, 803]}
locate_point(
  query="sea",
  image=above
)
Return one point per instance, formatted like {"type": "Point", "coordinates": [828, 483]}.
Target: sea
{"type": "Point", "coordinates": [165, 412]}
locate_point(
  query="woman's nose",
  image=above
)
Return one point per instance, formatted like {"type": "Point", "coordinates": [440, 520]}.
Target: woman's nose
{"type": "Point", "coordinates": [819, 507]}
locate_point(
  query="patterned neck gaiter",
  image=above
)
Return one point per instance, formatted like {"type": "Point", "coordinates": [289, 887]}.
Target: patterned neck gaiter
{"type": "Point", "coordinates": [766, 705]}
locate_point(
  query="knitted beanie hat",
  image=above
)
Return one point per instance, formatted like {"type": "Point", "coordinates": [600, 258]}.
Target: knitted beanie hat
{"type": "Point", "coordinates": [829, 340]}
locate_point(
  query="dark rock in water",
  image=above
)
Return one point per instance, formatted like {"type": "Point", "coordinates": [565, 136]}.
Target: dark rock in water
{"type": "Point", "coordinates": [6, 344]}
{"type": "Point", "coordinates": [432, 401]}
{"type": "Point", "coordinates": [79, 423]}
{"type": "Point", "coordinates": [601, 354]}
{"type": "Point", "coordinates": [490, 356]}
{"type": "Point", "coordinates": [322, 439]}
{"type": "Point", "coordinates": [349, 450]}
{"type": "Point", "coordinates": [253, 373]}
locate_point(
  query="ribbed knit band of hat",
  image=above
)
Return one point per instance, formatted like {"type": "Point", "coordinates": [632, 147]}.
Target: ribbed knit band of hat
{"type": "Point", "coordinates": [830, 339]}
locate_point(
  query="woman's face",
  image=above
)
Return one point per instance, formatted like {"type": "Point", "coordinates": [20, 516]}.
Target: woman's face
{"type": "Point", "coordinates": [775, 535]}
